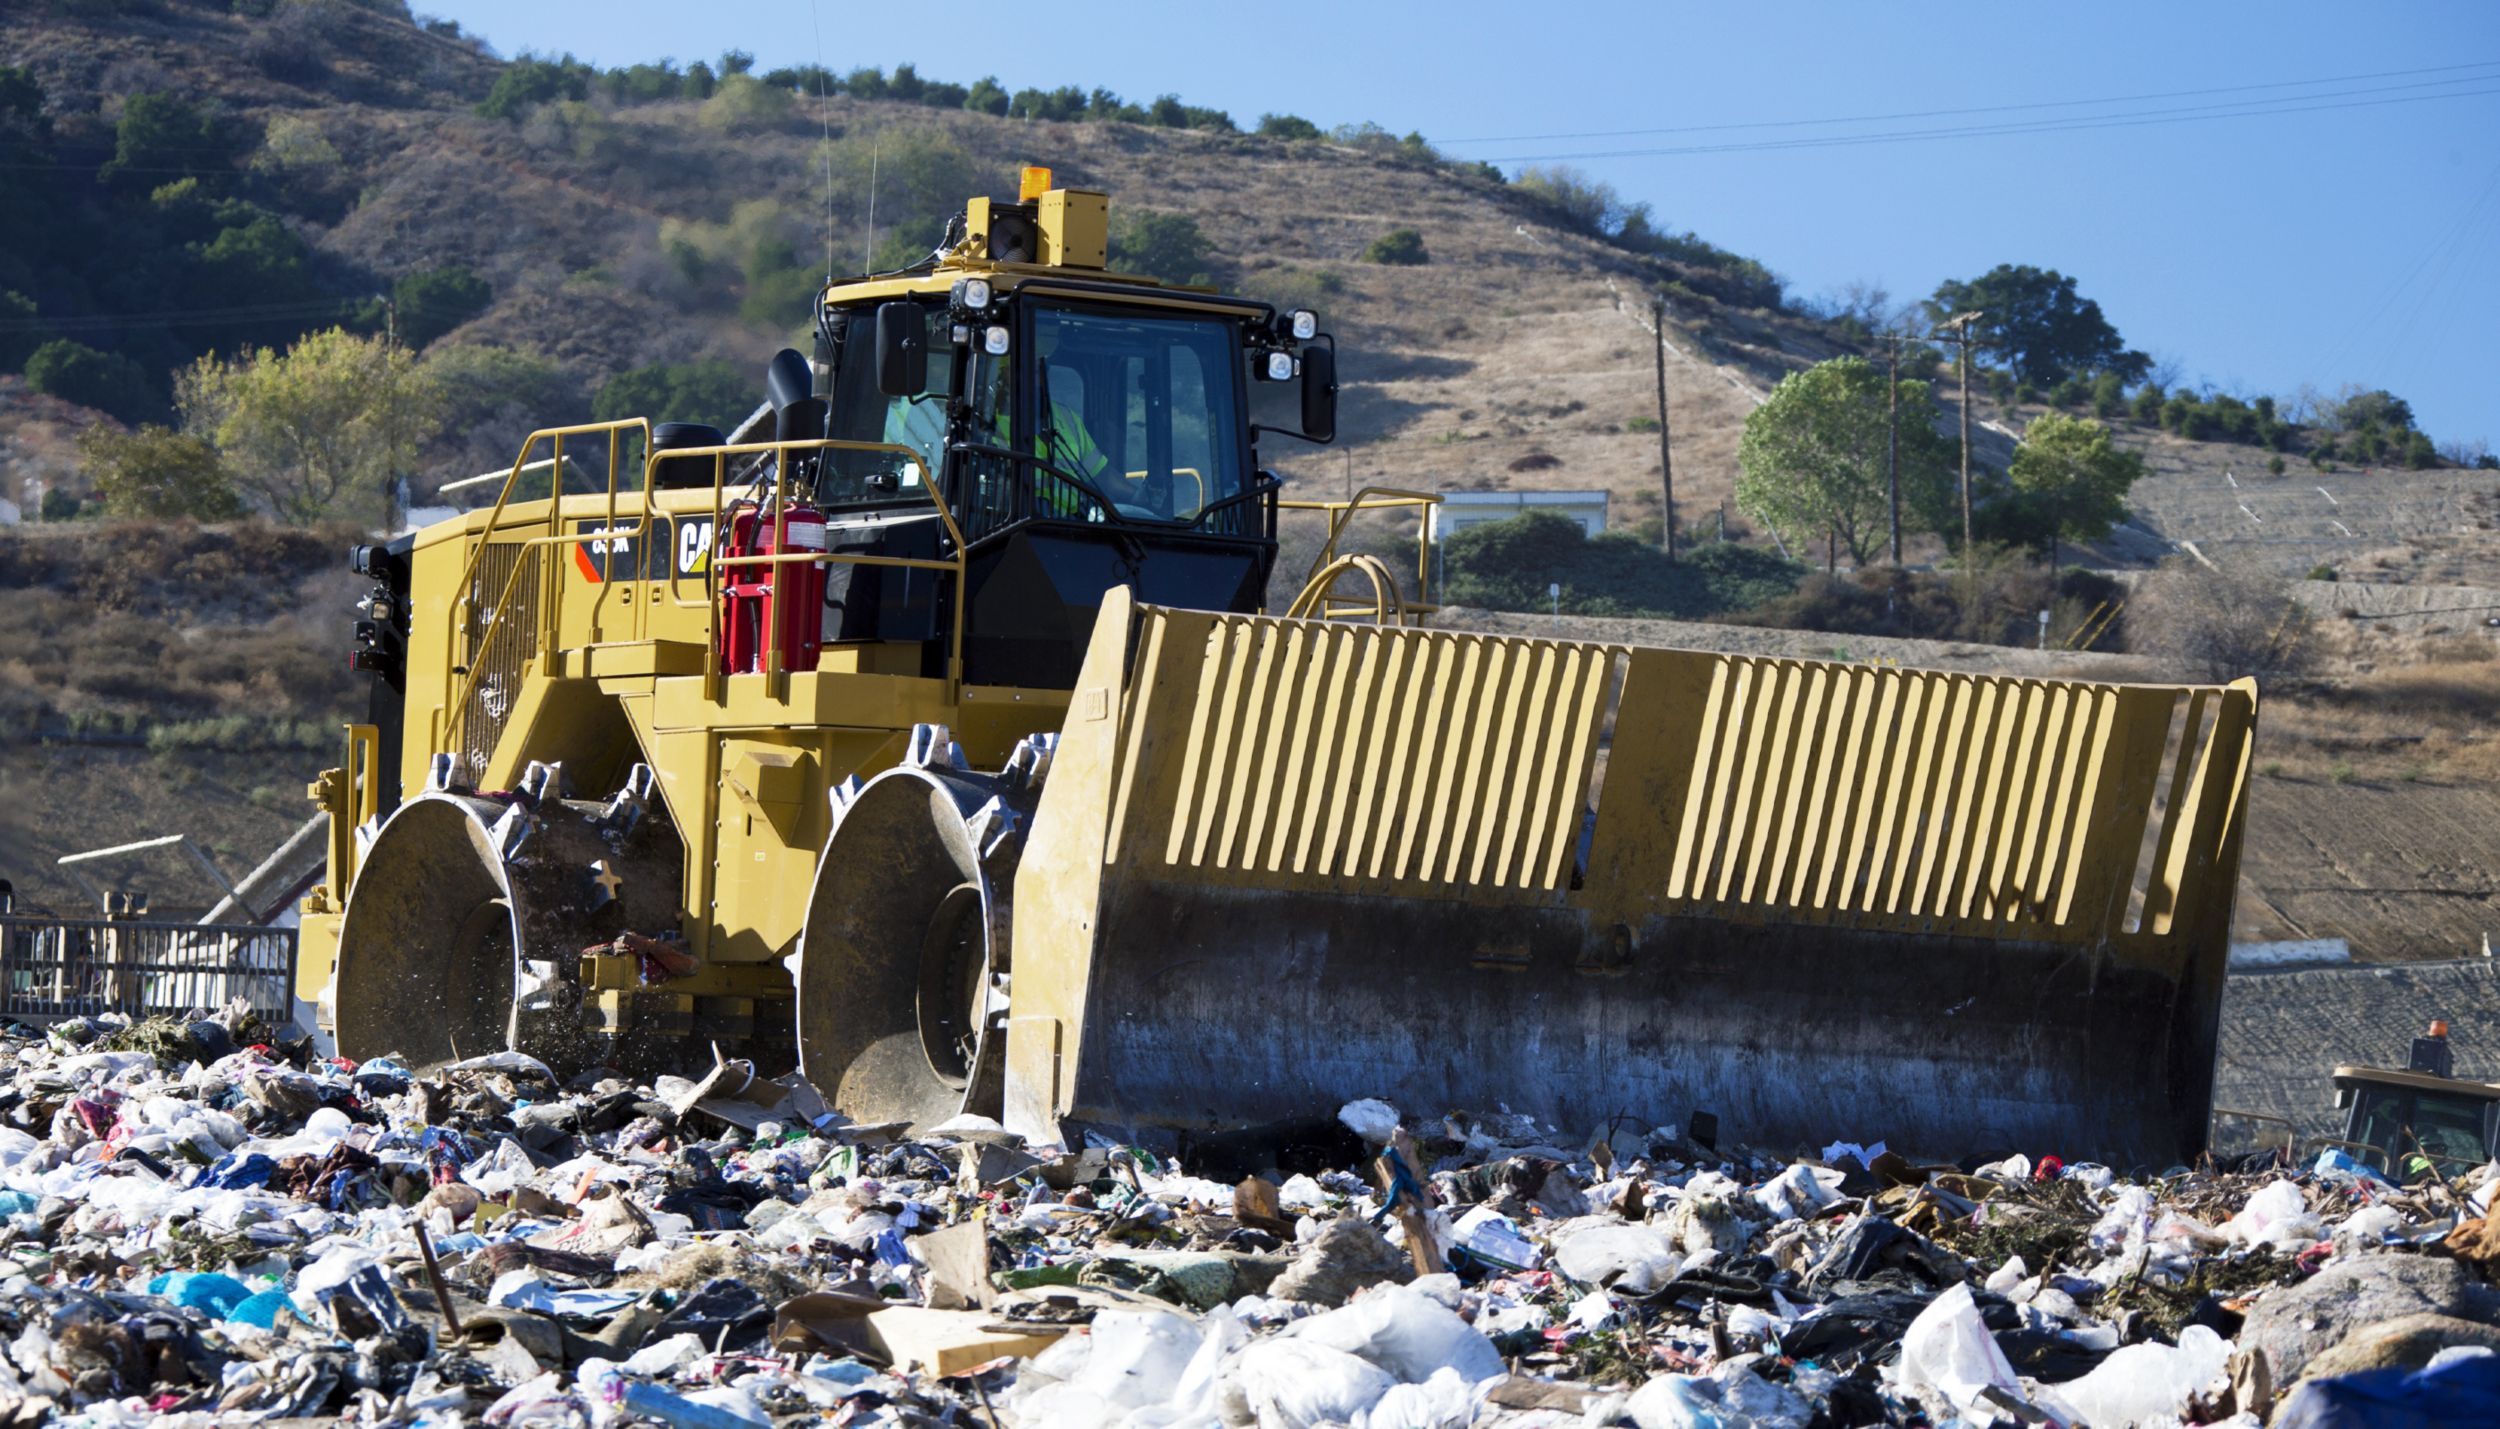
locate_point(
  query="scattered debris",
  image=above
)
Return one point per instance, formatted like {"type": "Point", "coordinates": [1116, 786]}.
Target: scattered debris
{"type": "Point", "coordinates": [206, 1222]}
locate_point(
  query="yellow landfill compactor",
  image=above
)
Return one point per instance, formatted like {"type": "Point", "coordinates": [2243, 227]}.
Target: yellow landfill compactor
{"type": "Point", "coordinates": [935, 740]}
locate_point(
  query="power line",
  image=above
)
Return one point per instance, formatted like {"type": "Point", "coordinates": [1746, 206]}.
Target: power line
{"type": "Point", "coordinates": [2108, 121]}
{"type": "Point", "coordinates": [1980, 109]}
{"type": "Point", "coordinates": [192, 317]}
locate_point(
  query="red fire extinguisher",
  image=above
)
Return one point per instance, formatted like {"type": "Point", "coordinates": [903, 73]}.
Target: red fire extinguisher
{"type": "Point", "coordinates": [783, 602]}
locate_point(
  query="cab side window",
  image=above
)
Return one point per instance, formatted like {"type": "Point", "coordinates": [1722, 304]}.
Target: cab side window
{"type": "Point", "coordinates": [861, 413]}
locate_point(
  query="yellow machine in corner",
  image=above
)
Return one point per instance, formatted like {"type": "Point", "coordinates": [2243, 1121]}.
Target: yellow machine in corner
{"type": "Point", "coordinates": [938, 742]}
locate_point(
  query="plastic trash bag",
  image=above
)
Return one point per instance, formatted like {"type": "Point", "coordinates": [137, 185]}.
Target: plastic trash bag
{"type": "Point", "coordinates": [1799, 1191]}
{"type": "Point", "coordinates": [1405, 1332]}
{"type": "Point", "coordinates": [1371, 1119]}
{"type": "Point", "coordinates": [1296, 1383]}
{"type": "Point", "coordinates": [214, 1294]}
{"type": "Point", "coordinates": [1677, 1401]}
{"type": "Point", "coordinates": [1493, 1238]}
{"type": "Point", "coordinates": [1948, 1351]}
{"type": "Point", "coordinates": [1630, 1258]}
{"type": "Point", "coordinates": [2277, 1215]}
{"type": "Point", "coordinates": [1445, 1401]}
{"type": "Point", "coordinates": [2144, 1381]}
{"type": "Point", "coordinates": [2451, 1390]}
{"type": "Point", "coordinates": [1138, 1357]}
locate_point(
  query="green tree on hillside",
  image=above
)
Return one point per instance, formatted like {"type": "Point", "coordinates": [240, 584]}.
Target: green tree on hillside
{"type": "Point", "coordinates": [436, 300]}
{"type": "Point", "coordinates": [2076, 476]}
{"type": "Point", "coordinates": [159, 473]}
{"type": "Point", "coordinates": [986, 97]}
{"type": "Point", "coordinates": [106, 381]}
{"type": "Point", "coordinates": [1287, 126]}
{"type": "Point", "coordinates": [2034, 319]}
{"type": "Point", "coordinates": [1399, 247]}
{"type": "Point", "coordinates": [159, 133]}
{"type": "Point", "coordinates": [325, 428]}
{"type": "Point", "coordinates": [1161, 245]}
{"type": "Point", "coordinates": [1813, 459]}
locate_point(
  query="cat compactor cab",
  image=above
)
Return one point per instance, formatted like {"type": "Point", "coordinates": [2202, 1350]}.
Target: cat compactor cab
{"type": "Point", "coordinates": [936, 741]}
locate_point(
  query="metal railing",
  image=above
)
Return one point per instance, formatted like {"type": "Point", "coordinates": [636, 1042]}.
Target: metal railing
{"type": "Point", "coordinates": [53, 969]}
{"type": "Point", "coordinates": [544, 615]}
{"type": "Point", "coordinates": [1318, 587]}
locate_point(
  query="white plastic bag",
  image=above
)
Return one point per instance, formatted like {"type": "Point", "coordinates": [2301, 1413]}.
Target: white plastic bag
{"type": "Point", "coordinates": [1492, 1237]}
{"type": "Point", "coordinates": [1371, 1119]}
{"type": "Point", "coordinates": [1445, 1401]}
{"type": "Point", "coordinates": [1405, 1332]}
{"type": "Point", "coordinates": [1630, 1258]}
{"type": "Point", "coordinates": [2144, 1382]}
{"type": "Point", "coordinates": [1948, 1351]}
{"type": "Point", "coordinates": [1298, 1384]}
{"type": "Point", "coordinates": [1799, 1191]}
{"type": "Point", "coordinates": [1139, 1356]}
{"type": "Point", "coordinates": [2278, 1215]}
{"type": "Point", "coordinates": [1676, 1401]}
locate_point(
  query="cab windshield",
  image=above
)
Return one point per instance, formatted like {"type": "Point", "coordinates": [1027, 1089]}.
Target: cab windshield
{"type": "Point", "coordinates": [2420, 1131]}
{"type": "Point", "coordinates": [1145, 410]}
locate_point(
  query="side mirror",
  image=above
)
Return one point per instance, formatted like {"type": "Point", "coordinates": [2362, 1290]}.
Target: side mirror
{"type": "Point", "coordinates": [1319, 393]}
{"type": "Point", "coordinates": [902, 350]}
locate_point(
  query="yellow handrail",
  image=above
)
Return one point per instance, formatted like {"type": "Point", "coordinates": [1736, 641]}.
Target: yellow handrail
{"type": "Point", "coordinates": [1386, 605]}
{"type": "Point", "coordinates": [550, 614]}
{"type": "Point", "coordinates": [1342, 512]}
{"type": "Point", "coordinates": [457, 709]}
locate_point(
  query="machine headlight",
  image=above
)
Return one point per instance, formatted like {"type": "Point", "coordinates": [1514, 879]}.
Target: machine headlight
{"type": "Point", "coordinates": [1304, 324]}
{"type": "Point", "coordinates": [972, 294]}
{"type": "Point", "coordinates": [994, 339]}
{"type": "Point", "coordinates": [1280, 367]}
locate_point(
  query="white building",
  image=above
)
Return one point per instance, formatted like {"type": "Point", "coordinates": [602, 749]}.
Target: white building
{"type": "Point", "coordinates": [1461, 509]}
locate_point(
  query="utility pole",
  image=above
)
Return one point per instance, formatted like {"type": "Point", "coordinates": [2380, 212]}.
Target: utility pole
{"type": "Point", "coordinates": [1957, 330]}
{"type": "Point", "coordinates": [1666, 459]}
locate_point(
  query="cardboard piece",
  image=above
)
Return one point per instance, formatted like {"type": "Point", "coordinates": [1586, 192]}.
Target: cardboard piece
{"type": "Point", "coordinates": [958, 1258]}
{"type": "Point", "coordinates": [733, 1092]}
{"type": "Point", "coordinates": [834, 1321]}
{"type": "Point", "coordinates": [1256, 1205]}
{"type": "Point", "coordinates": [987, 1163]}
{"type": "Point", "coordinates": [943, 1342]}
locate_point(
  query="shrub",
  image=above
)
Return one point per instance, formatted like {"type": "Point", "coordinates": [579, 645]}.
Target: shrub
{"type": "Point", "coordinates": [1509, 564]}
{"type": "Point", "coordinates": [19, 335]}
{"type": "Point", "coordinates": [986, 97]}
{"type": "Point", "coordinates": [530, 81]}
{"type": "Point", "coordinates": [158, 473]}
{"type": "Point", "coordinates": [2146, 406]}
{"type": "Point", "coordinates": [106, 381]}
{"type": "Point", "coordinates": [1641, 424]}
{"type": "Point", "coordinates": [744, 104]}
{"type": "Point", "coordinates": [710, 390]}
{"type": "Point", "coordinates": [1399, 247]}
{"type": "Point", "coordinates": [2109, 396]}
{"type": "Point", "coordinates": [2223, 624]}
{"type": "Point", "coordinates": [1168, 246]}
{"type": "Point", "coordinates": [2274, 464]}
{"type": "Point", "coordinates": [436, 300]}
{"type": "Point", "coordinates": [1287, 126]}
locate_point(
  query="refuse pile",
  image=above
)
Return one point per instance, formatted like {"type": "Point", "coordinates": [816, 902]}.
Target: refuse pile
{"type": "Point", "coordinates": [205, 1221]}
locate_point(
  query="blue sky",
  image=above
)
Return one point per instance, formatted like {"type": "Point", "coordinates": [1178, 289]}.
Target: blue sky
{"type": "Point", "coordinates": [2351, 233]}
